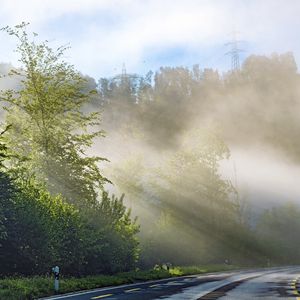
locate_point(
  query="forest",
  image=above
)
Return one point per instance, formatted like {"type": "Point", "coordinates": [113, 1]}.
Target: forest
{"type": "Point", "coordinates": [108, 175]}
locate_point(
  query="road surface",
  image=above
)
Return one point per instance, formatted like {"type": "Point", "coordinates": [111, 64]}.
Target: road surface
{"type": "Point", "coordinates": [275, 283]}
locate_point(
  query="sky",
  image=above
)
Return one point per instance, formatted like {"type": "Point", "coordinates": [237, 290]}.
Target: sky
{"type": "Point", "coordinates": [148, 34]}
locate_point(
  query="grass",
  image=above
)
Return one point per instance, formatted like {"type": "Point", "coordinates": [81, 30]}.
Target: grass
{"type": "Point", "coordinates": [34, 287]}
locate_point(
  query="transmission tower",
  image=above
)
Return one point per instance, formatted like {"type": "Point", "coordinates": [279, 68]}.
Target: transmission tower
{"type": "Point", "coordinates": [124, 77]}
{"type": "Point", "coordinates": [124, 73]}
{"type": "Point", "coordinates": [234, 51]}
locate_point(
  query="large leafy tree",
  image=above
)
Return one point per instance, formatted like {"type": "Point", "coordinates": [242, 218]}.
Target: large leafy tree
{"type": "Point", "coordinates": [48, 137]}
{"type": "Point", "coordinates": [49, 127]}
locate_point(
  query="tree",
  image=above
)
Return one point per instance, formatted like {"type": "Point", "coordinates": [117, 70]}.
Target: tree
{"type": "Point", "coordinates": [49, 128]}
{"type": "Point", "coordinates": [49, 137]}
{"type": "Point", "coordinates": [110, 237]}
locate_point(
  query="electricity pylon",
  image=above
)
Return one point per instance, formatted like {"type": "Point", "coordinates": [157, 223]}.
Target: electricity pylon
{"type": "Point", "coordinates": [234, 51]}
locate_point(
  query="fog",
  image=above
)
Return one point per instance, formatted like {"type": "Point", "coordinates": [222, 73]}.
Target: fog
{"type": "Point", "coordinates": [165, 134]}
{"type": "Point", "coordinates": [200, 155]}
{"type": "Point", "coordinates": [255, 111]}
{"type": "Point", "coordinates": [197, 149]}
{"type": "Point", "coordinates": [266, 178]}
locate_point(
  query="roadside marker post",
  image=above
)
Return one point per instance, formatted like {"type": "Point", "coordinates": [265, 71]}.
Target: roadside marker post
{"type": "Point", "coordinates": [55, 270]}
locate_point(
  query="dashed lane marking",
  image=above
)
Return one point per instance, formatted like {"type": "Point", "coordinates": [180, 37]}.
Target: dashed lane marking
{"type": "Point", "coordinates": [294, 286]}
{"type": "Point", "coordinates": [132, 290]}
{"type": "Point", "coordinates": [154, 285]}
{"type": "Point", "coordinates": [174, 283]}
{"type": "Point", "coordinates": [102, 296]}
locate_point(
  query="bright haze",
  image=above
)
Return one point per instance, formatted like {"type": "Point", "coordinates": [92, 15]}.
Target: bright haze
{"type": "Point", "coordinates": [146, 35]}
{"type": "Point", "coordinates": [150, 34]}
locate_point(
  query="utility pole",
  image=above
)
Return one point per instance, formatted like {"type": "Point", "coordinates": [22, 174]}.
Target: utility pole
{"type": "Point", "coordinates": [234, 51]}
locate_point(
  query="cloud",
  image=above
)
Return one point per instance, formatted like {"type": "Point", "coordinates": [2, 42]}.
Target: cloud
{"type": "Point", "coordinates": [104, 34]}
{"type": "Point", "coordinates": [38, 12]}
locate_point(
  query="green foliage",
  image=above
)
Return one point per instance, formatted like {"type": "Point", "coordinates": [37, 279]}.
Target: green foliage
{"type": "Point", "coordinates": [110, 242]}
{"type": "Point", "coordinates": [49, 129]}
{"type": "Point", "coordinates": [51, 211]}
{"type": "Point", "coordinates": [39, 231]}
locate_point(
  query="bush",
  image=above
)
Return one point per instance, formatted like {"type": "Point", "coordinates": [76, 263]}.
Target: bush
{"type": "Point", "coordinates": [38, 231]}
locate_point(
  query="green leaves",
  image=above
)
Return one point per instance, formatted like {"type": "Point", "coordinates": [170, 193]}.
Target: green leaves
{"type": "Point", "coordinates": [52, 213]}
{"type": "Point", "coordinates": [49, 125]}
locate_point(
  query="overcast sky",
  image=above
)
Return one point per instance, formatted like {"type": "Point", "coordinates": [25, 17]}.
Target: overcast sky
{"type": "Point", "coordinates": [147, 34]}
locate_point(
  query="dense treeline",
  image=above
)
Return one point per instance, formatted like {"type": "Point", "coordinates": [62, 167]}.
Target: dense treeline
{"type": "Point", "coordinates": [178, 122]}
{"type": "Point", "coordinates": [168, 134]}
{"type": "Point", "coordinates": [255, 104]}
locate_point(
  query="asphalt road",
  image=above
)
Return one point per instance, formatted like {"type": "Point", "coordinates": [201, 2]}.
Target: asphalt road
{"type": "Point", "coordinates": [281, 283]}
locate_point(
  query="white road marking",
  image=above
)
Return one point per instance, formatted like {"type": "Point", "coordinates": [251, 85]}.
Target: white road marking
{"type": "Point", "coordinates": [101, 296]}
{"type": "Point", "coordinates": [132, 290]}
{"type": "Point", "coordinates": [174, 283]}
{"type": "Point", "coordinates": [154, 285]}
